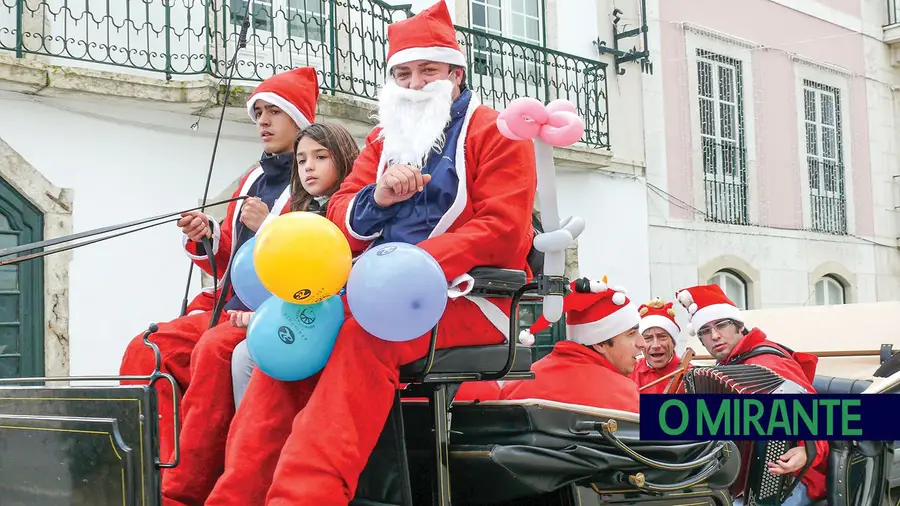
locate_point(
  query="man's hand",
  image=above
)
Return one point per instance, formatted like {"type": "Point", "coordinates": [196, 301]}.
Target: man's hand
{"type": "Point", "coordinates": [790, 462]}
{"type": "Point", "coordinates": [253, 213]}
{"type": "Point", "coordinates": [399, 183]}
{"type": "Point", "coordinates": [195, 225]}
{"type": "Point", "coordinates": [240, 319]}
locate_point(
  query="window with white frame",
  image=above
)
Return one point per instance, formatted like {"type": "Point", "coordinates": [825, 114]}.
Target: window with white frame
{"type": "Point", "coordinates": [721, 108]}
{"type": "Point", "coordinates": [282, 19]}
{"type": "Point", "coordinates": [830, 291]}
{"type": "Point", "coordinates": [734, 286]}
{"type": "Point", "coordinates": [519, 20]}
{"type": "Point", "coordinates": [824, 157]}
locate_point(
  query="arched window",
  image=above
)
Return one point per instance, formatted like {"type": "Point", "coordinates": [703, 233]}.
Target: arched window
{"type": "Point", "coordinates": [830, 291]}
{"type": "Point", "coordinates": [733, 285]}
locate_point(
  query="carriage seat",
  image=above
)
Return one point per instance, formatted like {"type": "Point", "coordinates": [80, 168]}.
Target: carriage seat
{"type": "Point", "coordinates": [835, 385]}
{"type": "Point", "coordinates": [504, 450]}
{"type": "Point", "coordinates": [470, 359]}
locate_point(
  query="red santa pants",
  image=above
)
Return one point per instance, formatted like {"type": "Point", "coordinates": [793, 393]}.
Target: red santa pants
{"type": "Point", "coordinates": [207, 410]}
{"type": "Point", "coordinates": [176, 340]}
{"type": "Point", "coordinates": [314, 456]}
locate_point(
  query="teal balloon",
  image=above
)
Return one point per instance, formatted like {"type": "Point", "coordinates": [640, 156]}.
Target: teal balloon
{"type": "Point", "coordinates": [291, 342]}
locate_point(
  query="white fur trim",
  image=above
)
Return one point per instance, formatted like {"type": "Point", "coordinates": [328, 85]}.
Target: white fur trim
{"type": "Point", "coordinates": [618, 298]}
{"type": "Point", "coordinates": [526, 338]}
{"type": "Point", "coordinates": [619, 288]}
{"type": "Point", "coordinates": [466, 281]}
{"type": "Point", "coordinates": [462, 195]}
{"type": "Point", "coordinates": [350, 228]}
{"type": "Point", "coordinates": [715, 312]}
{"type": "Point", "coordinates": [279, 102]}
{"type": "Point", "coordinates": [605, 329]}
{"type": "Point", "coordinates": [278, 208]}
{"type": "Point", "coordinates": [255, 174]}
{"type": "Point", "coordinates": [216, 236]}
{"type": "Point", "coordinates": [655, 320]}
{"type": "Point", "coordinates": [685, 298]}
{"type": "Point", "coordinates": [598, 287]}
{"type": "Point", "coordinates": [494, 315]}
{"type": "Point", "coordinates": [439, 54]}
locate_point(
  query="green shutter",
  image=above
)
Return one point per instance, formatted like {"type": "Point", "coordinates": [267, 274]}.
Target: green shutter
{"type": "Point", "coordinates": [543, 341]}
{"type": "Point", "coordinates": [21, 290]}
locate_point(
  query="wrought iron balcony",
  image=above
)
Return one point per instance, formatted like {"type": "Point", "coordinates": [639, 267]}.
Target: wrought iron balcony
{"type": "Point", "coordinates": [346, 40]}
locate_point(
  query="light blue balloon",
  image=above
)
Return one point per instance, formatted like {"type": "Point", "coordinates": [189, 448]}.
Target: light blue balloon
{"type": "Point", "coordinates": [397, 291]}
{"type": "Point", "coordinates": [291, 342]}
{"type": "Point", "coordinates": [246, 283]}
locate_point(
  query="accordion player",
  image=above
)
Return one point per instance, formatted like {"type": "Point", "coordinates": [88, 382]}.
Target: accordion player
{"type": "Point", "coordinates": [757, 486]}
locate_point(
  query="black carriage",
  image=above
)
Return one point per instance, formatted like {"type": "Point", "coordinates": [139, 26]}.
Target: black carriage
{"type": "Point", "coordinates": [97, 445]}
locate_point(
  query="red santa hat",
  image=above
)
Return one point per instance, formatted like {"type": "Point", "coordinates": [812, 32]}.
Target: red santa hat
{"type": "Point", "coordinates": [429, 35]}
{"type": "Point", "coordinates": [593, 316]}
{"type": "Point", "coordinates": [707, 303]}
{"type": "Point", "coordinates": [294, 92]}
{"type": "Point", "coordinates": [656, 313]}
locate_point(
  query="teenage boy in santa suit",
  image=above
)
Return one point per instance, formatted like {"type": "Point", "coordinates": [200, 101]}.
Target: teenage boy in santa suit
{"type": "Point", "coordinates": [591, 366]}
{"type": "Point", "coordinates": [719, 324]}
{"type": "Point", "coordinates": [437, 173]}
{"type": "Point", "coordinates": [280, 106]}
{"type": "Point", "coordinates": [659, 330]}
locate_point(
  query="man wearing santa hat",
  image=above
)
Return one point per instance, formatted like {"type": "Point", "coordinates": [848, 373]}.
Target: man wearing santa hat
{"type": "Point", "coordinates": [719, 324]}
{"type": "Point", "coordinates": [280, 107]}
{"type": "Point", "coordinates": [592, 365]}
{"type": "Point", "coordinates": [658, 331]}
{"type": "Point", "coordinates": [435, 172]}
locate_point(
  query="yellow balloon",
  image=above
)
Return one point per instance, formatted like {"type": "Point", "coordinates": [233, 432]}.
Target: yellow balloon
{"type": "Point", "coordinates": [302, 258]}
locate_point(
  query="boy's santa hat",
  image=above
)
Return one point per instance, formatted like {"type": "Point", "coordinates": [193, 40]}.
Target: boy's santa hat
{"type": "Point", "coordinates": [657, 313]}
{"type": "Point", "coordinates": [707, 303]}
{"type": "Point", "coordinates": [429, 35]}
{"type": "Point", "coordinates": [594, 313]}
{"type": "Point", "coordinates": [295, 92]}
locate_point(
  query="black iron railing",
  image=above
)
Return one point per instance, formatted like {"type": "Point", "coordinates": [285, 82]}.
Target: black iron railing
{"type": "Point", "coordinates": [346, 40]}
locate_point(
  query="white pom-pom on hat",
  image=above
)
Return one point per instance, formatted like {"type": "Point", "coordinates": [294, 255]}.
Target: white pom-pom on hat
{"type": "Point", "coordinates": [692, 308]}
{"type": "Point", "coordinates": [618, 298]}
{"type": "Point", "coordinates": [690, 329]}
{"type": "Point", "coordinates": [685, 298]}
{"type": "Point", "coordinates": [526, 338]}
{"type": "Point", "coordinates": [598, 286]}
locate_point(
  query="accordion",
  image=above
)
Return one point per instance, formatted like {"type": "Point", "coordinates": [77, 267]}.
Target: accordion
{"type": "Point", "coordinates": [758, 486]}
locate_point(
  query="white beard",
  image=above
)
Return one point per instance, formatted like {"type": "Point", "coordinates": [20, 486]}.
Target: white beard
{"type": "Point", "coordinates": [412, 121]}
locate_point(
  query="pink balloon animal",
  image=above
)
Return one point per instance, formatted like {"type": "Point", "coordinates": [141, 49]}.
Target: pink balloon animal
{"type": "Point", "coordinates": [557, 123]}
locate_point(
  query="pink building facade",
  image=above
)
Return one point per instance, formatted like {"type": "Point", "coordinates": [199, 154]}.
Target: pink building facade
{"type": "Point", "coordinates": [771, 140]}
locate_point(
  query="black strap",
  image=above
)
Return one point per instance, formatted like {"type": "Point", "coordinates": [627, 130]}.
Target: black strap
{"type": "Point", "coordinates": [761, 350]}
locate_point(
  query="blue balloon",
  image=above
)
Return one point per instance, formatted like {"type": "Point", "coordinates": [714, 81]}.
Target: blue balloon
{"type": "Point", "coordinates": [291, 342]}
{"type": "Point", "coordinates": [397, 291]}
{"type": "Point", "coordinates": [246, 283]}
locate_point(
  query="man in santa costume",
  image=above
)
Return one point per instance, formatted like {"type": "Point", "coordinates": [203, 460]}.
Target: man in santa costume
{"type": "Point", "coordinates": [719, 324]}
{"type": "Point", "coordinates": [435, 172]}
{"type": "Point", "coordinates": [592, 365]}
{"type": "Point", "coordinates": [659, 331]}
{"type": "Point", "coordinates": [280, 107]}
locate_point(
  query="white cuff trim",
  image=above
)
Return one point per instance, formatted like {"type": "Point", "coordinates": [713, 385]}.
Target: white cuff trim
{"type": "Point", "coordinates": [217, 234]}
{"type": "Point", "coordinates": [465, 281]}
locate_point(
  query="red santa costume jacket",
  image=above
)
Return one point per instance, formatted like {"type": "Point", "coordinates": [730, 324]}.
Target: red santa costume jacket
{"type": "Point", "coordinates": [224, 237]}
{"type": "Point", "coordinates": [460, 241]}
{"type": "Point", "coordinates": [644, 375]}
{"type": "Point", "coordinates": [576, 374]}
{"type": "Point", "coordinates": [801, 369]}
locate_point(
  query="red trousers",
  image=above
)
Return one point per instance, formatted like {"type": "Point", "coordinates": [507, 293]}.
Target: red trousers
{"type": "Point", "coordinates": [176, 341]}
{"type": "Point", "coordinates": [313, 451]}
{"type": "Point", "coordinates": [207, 411]}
